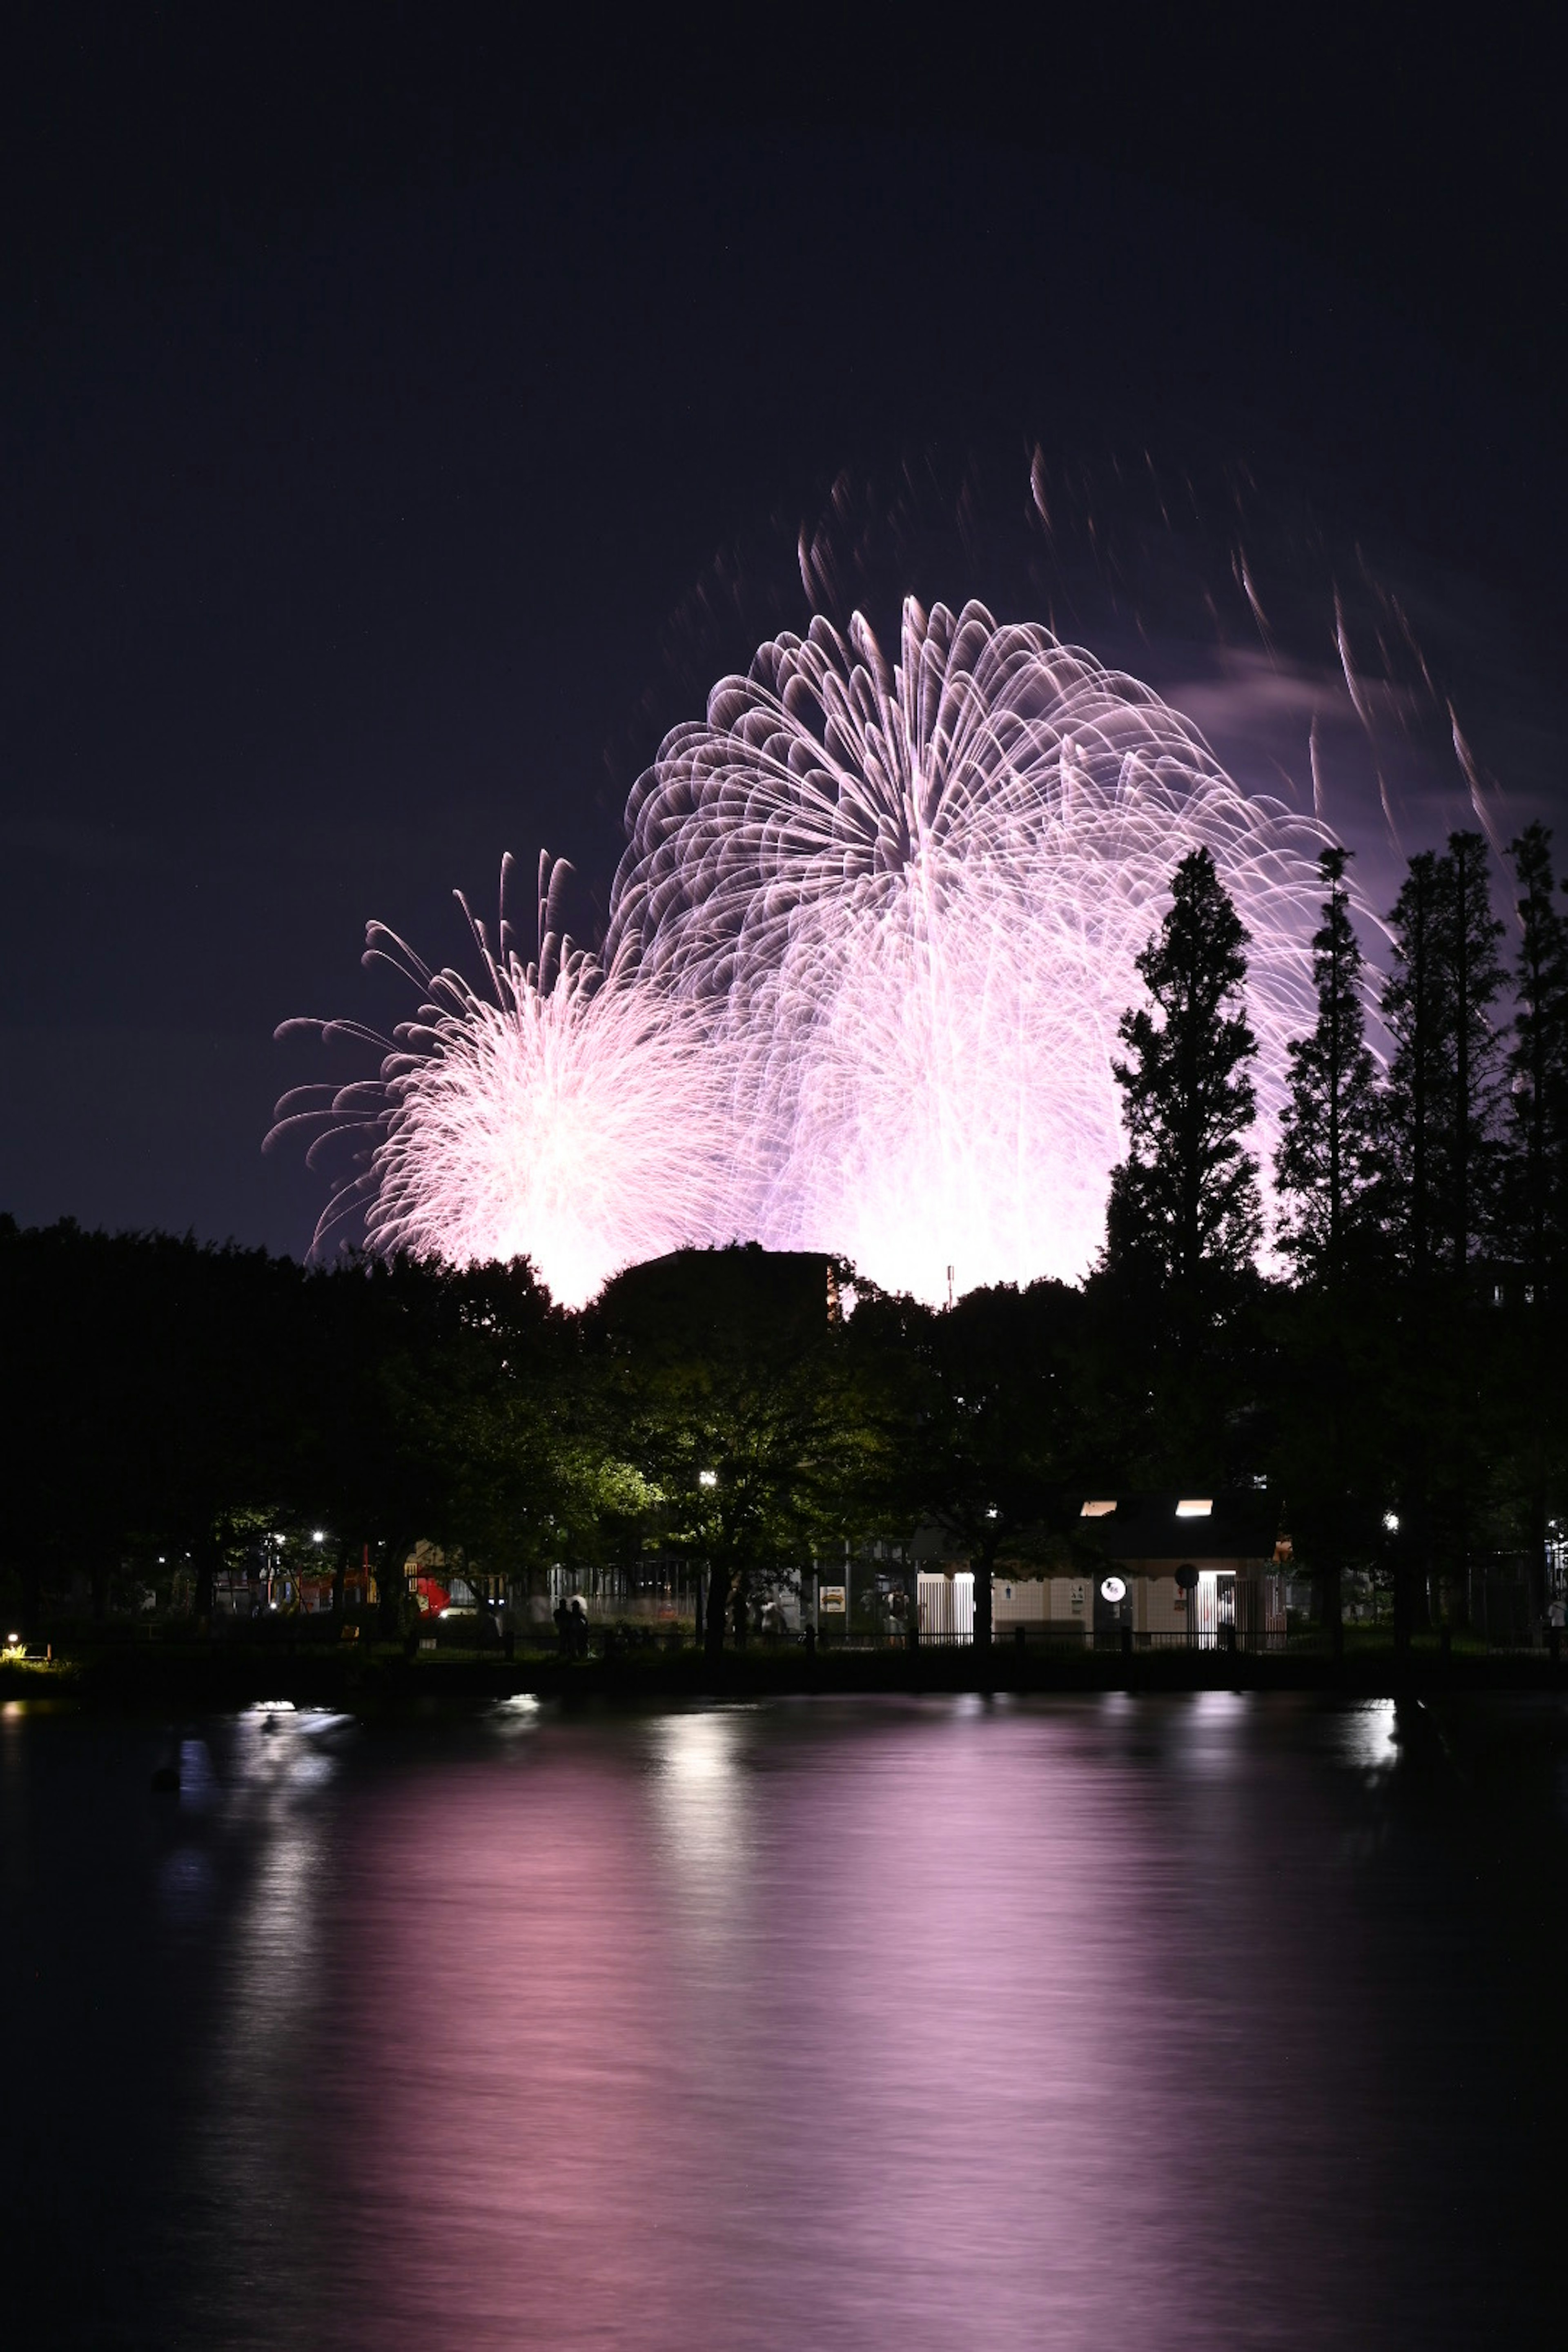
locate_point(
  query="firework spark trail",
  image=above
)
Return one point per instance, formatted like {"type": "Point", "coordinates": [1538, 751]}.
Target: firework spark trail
{"type": "Point", "coordinates": [869, 947]}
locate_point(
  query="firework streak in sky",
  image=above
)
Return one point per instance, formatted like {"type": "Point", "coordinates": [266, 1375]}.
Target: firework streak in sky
{"type": "Point", "coordinates": [868, 946]}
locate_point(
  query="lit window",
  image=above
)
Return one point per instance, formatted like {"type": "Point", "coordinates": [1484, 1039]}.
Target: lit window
{"type": "Point", "coordinates": [1097, 1511]}
{"type": "Point", "coordinates": [1194, 1507]}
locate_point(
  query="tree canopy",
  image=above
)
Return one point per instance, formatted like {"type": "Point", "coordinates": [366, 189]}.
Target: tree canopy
{"type": "Point", "coordinates": [1184, 1210]}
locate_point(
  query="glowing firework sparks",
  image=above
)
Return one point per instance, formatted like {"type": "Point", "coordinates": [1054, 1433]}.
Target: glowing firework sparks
{"type": "Point", "coordinates": [869, 947]}
{"type": "Point", "coordinates": [912, 897]}
{"type": "Point", "coordinates": [573, 1114]}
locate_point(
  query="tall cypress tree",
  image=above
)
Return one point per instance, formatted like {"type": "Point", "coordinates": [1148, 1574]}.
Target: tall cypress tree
{"type": "Point", "coordinates": [1444, 1081]}
{"type": "Point", "coordinates": [1329, 1172]}
{"type": "Point", "coordinates": [1183, 1210]}
{"type": "Point", "coordinates": [1444, 1102]}
{"type": "Point", "coordinates": [1538, 1068]}
{"type": "Point", "coordinates": [1411, 1009]}
{"type": "Point", "coordinates": [1328, 1163]}
{"type": "Point", "coordinates": [1469, 936]}
{"type": "Point", "coordinates": [1536, 1181]}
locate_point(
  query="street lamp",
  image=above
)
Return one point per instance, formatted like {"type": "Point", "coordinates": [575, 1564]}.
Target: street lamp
{"type": "Point", "coordinates": [708, 1477]}
{"type": "Point", "coordinates": [1391, 1521]}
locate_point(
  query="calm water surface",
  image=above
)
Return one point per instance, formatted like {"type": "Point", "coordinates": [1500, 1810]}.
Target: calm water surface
{"type": "Point", "coordinates": [1201, 2022]}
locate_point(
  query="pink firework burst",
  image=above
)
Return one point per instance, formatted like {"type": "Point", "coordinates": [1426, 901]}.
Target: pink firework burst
{"type": "Point", "coordinates": [868, 945]}
{"type": "Point", "coordinates": [567, 1111]}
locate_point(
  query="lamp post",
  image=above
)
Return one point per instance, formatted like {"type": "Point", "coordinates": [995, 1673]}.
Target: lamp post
{"type": "Point", "coordinates": [707, 1479]}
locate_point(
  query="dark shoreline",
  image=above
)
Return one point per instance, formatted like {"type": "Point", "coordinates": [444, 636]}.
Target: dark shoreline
{"type": "Point", "coordinates": [223, 1674]}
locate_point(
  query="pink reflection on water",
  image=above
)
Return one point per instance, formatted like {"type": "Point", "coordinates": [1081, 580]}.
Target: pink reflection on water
{"type": "Point", "coordinates": [947, 2026]}
{"type": "Point", "coordinates": [522, 2121]}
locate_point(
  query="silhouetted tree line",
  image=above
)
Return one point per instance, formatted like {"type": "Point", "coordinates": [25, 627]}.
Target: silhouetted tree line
{"type": "Point", "coordinates": [173, 1405]}
{"type": "Point", "coordinates": [1403, 1388]}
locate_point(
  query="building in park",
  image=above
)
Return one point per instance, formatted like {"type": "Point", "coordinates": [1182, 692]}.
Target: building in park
{"type": "Point", "coordinates": [1166, 1567]}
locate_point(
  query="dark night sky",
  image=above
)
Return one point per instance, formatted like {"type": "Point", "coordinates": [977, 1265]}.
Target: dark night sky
{"type": "Point", "coordinates": [402, 424]}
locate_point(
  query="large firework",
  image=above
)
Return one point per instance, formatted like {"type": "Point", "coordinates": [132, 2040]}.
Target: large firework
{"type": "Point", "coordinates": [869, 947]}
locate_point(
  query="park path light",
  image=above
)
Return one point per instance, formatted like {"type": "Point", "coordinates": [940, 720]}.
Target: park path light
{"type": "Point", "coordinates": [318, 1535]}
{"type": "Point", "coordinates": [1391, 1521]}
{"type": "Point", "coordinates": [708, 1477]}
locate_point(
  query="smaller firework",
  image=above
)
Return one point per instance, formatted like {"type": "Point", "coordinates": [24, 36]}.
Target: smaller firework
{"type": "Point", "coordinates": [565, 1110]}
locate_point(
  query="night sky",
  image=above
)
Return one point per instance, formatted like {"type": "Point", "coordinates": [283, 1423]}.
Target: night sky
{"type": "Point", "coordinates": [402, 426]}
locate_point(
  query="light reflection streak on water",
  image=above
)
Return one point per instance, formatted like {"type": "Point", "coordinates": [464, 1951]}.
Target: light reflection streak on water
{"type": "Point", "coordinates": [278, 1768]}
{"type": "Point", "coordinates": [699, 1793]}
{"type": "Point", "coordinates": [251, 2176]}
{"type": "Point", "coordinates": [1370, 1735]}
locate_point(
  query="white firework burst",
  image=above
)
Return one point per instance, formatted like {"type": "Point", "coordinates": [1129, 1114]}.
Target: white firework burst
{"type": "Point", "coordinates": [912, 895]}
{"type": "Point", "coordinates": [870, 943]}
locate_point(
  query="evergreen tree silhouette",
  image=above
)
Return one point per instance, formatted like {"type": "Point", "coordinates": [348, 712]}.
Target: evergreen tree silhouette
{"type": "Point", "coordinates": [1328, 1163]}
{"type": "Point", "coordinates": [1444, 1089]}
{"type": "Point", "coordinates": [1536, 1185]}
{"type": "Point", "coordinates": [1412, 1009]}
{"type": "Point", "coordinates": [1443, 1104]}
{"type": "Point", "coordinates": [1184, 1212]}
{"type": "Point", "coordinates": [1537, 1204]}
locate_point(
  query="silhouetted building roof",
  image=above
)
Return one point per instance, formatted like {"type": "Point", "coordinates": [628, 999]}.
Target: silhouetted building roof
{"type": "Point", "coordinates": [740, 1297]}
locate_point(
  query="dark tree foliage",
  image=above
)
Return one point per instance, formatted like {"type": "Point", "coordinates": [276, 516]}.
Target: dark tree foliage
{"type": "Point", "coordinates": [753, 1429]}
{"type": "Point", "coordinates": [1184, 1209]}
{"type": "Point", "coordinates": [1537, 1201]}
{"type": "Point", "coordinates": [156, 1402]}
{"type": "Point", "coordinates": [1329, 1165]}
{"type": "Point", "coordinates": [183, 1401]}
{"type": "Point", "coordinates": [1329, 1171]}
{"type": "Point", "coordinates": [1444, 1133]}
{"type": "Point", "coordinates": [1444, 1088]}
{"type": "Point", "coordinates": [1535, 1193]}
{"type": "Point", "coordinates": [1001, 1424]}
{"type": "Point", "coordinates": [1471, 936]}
{"type": "Point", "coordinates": [1413, 1013]}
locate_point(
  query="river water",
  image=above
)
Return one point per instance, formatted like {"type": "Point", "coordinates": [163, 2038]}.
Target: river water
{"type": "Point", "coordinates": [1193, 2021]}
